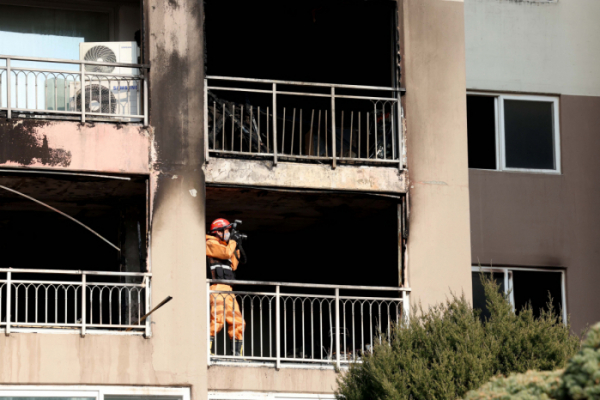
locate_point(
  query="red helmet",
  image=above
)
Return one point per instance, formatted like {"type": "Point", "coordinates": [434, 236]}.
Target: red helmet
{"type": "Point", "coordinates": [220, 223]}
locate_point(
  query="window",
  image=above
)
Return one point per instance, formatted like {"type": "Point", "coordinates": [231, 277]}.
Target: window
{"type": "Point", "coordinates": [513, 133]}
{"type": "Point", "coordinates": [46, 32]}
{"type": "Point", "coordinates": [92, 393]}
{"type": "Point", "coordinates": [524, 286]}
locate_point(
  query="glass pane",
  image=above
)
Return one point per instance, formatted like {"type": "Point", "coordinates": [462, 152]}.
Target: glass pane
{"type": "Point", "coordinates": [528, 132]}
{"type": "Point", "coordinates": [51, 33]}
{"type": "Point", "coordinates": [479, 292]}
{"type": "Point", "coordinates": [481, 131]}
{"type": "Point", "coordinates": [536, 287]}
{"type": "Point", "coordinates": [47, 398]}
{"type": "Point", "coordinates": [112, 397]}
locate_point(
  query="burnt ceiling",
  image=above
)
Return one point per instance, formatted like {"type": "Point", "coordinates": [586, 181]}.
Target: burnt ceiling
{"type": "Point", "coordinates": [283, 211]}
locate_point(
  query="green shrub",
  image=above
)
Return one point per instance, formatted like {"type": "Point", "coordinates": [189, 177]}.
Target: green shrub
{"type": "Point", "coordinates": [528, 386]}
{"type": "Point", "coordinates": [445, 351]}
{"type": "Point", "coordinates": [579, 380]}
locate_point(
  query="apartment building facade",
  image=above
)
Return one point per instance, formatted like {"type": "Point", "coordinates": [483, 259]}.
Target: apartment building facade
{"type": "Point", "coordinates": [127, 127]}
{"type": "Point", "coordinates": [532, 106]}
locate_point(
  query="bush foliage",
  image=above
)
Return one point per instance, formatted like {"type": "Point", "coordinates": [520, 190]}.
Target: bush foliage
{"type": "Point", "coordinates": [579, 380]}
{"type": "Point", "coordinates": [445, 351]}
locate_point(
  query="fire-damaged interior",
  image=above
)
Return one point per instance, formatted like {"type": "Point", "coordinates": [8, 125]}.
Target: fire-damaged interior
{"type": "Point", "coordinates": [346, 42]}
{"type": "Point", "coordinates": [320, 43]}
{"type": "Point", "coordinates": [36, 237]}
{"type": "Point", "coordinates": [312, 238]}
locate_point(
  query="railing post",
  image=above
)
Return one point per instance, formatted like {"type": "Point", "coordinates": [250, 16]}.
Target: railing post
{"type": "Point", "coordinates": [146, 98]}
{"type": "Point", "coordinates": [333, 128]}
{"type": "Point", "coordinates": [405, 307]}
{"type": "Point", "coordinates": [337, 327]}
{"type": "Point", "coordinates": [148, 332]}
{"type": "Point", "coordinates": [205, 134]}
{"type": "Point", "coordinates": [83, 302]}
{"type": "Point", "coordinates": [208, 323]}
{"type": "Point", "coordinates": [82, 69]}
{"type": "Point", "coordinates": [400, 135]}
{"type": "Point", "coordinates": [277, 327]}
{"type": "Point", "coordinates": [8, 300]}
{"type": "Point", "coordinates": [8, 94]}
{"type": "Point", "coordinates": [275, 124]}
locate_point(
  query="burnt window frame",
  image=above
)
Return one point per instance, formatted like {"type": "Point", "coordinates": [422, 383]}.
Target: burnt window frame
{"type": "Point", "coordinates": [508, 282]}
{"type": "Point", "coordinates": [500, 138]}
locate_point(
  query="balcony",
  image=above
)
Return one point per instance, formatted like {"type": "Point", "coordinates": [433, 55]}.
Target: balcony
{"type": "Point", "coordinates": [303, 122]}
{"type": "Point", "coordinates": [48, 88]}
{"type": "Point", "coordinates": [305, 325]}
{"type": "Point", "coordinates": [48, 300]}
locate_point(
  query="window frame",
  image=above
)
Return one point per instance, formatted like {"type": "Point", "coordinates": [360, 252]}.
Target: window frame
{"type": "Point", "coordinates": [500, 130]}
{"type": "Point", "coordinates": [97, 392]}
{"type": "Point", "coordinates": [508, 282]}
{"type": "Point", "coordinates": [217, 395]}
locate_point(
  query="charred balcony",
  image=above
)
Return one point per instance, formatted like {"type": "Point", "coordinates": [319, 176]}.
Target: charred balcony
{"type": "Point", "coordinates": [314, 82]}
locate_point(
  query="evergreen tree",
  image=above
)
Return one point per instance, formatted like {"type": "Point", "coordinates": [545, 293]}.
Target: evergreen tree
{"type": "Point", "coordinates": [447, 350]}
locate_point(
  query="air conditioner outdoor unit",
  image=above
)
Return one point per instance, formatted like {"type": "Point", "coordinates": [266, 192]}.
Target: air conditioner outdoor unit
{"type": "Point", "coordinates": [115, 94]}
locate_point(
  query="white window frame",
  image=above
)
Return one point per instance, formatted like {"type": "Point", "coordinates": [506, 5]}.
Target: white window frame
{"type": "Point", "coordinates": [216, 395]}
{"type": "Point", "coordinates": [500, 131]}
{"type": "Point", "coordinates": [96, 392]}
{"type": "Point", "coordinates": [508, 282]}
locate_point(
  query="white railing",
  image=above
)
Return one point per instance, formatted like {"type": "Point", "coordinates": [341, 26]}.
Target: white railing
{"type": "Point", "coordinates": [32, 87]}
{"type": "Point", "coordinates": [303, 121]}
{"type": "Point", "coordinates": [95, 301]}
{"type": "Point", "coordinates": [321, 325]}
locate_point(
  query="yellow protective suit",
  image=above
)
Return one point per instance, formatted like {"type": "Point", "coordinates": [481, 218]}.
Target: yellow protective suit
{"type": "Point", "coordinates": [223, 306]}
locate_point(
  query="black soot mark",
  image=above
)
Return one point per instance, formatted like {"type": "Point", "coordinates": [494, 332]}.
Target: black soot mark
{"type": "Point", "coordinates": [20, 143]}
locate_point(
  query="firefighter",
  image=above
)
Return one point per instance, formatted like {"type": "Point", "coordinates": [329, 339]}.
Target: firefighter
{"type": "Point", "coordinates": [223, 258]}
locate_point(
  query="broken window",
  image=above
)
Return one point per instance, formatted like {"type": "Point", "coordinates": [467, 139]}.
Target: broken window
{"type": "Point", "coordinates": [46, 254]}
{"type": "Point", "coordinates": [513, 133]}
{"type": "Point", "coordinates": [535, 287]}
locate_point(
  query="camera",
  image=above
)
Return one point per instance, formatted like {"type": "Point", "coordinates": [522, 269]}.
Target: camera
{"type": "Point", "coordinates": [234, 226]}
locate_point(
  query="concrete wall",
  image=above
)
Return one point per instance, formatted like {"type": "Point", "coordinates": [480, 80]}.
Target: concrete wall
{"type": "Point", "coordinates": [434, 76]}
{"type": "Point", "coordinates": [312, 176]}
{"type": "Point", "coordinates": [176, 353]}
{"type": "Point", "coordinates": [529, 46]}
{"type": "Point", "coordinates": [548, 220]}
{"type": "Point", "coordinates": [267, 379]}
{"type": "Point", "coordinates": [100, 147]}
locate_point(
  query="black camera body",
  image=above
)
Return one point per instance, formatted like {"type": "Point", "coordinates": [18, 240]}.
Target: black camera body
{"type": "Point", "coordinates": [234, 226]}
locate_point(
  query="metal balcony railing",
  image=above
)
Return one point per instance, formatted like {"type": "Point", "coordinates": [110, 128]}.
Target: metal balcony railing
{"type": "Point", "coordinates": [85, 301]}
{"type": "Point", "coordinates": [290, 323]}
{"type": "Point", "coordinates": [303, 121]}
{"type": "Point", "coordinates": [79, 90]}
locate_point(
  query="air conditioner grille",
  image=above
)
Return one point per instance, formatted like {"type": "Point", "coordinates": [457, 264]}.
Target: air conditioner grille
{"type": "Point", "coordinates": [100, 54]}
{"type": "Point", "coordinates": [98, 99]}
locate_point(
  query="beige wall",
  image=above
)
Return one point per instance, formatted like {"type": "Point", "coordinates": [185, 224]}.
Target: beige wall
{"type": "Point", "coordinates": [523, 46]}
{"type": "Point", "coordinates": [434, 76]}
{"type": "Point", "coordinates": [545, 220]}
{"type": "Point", "coordinates": [267, 379]}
